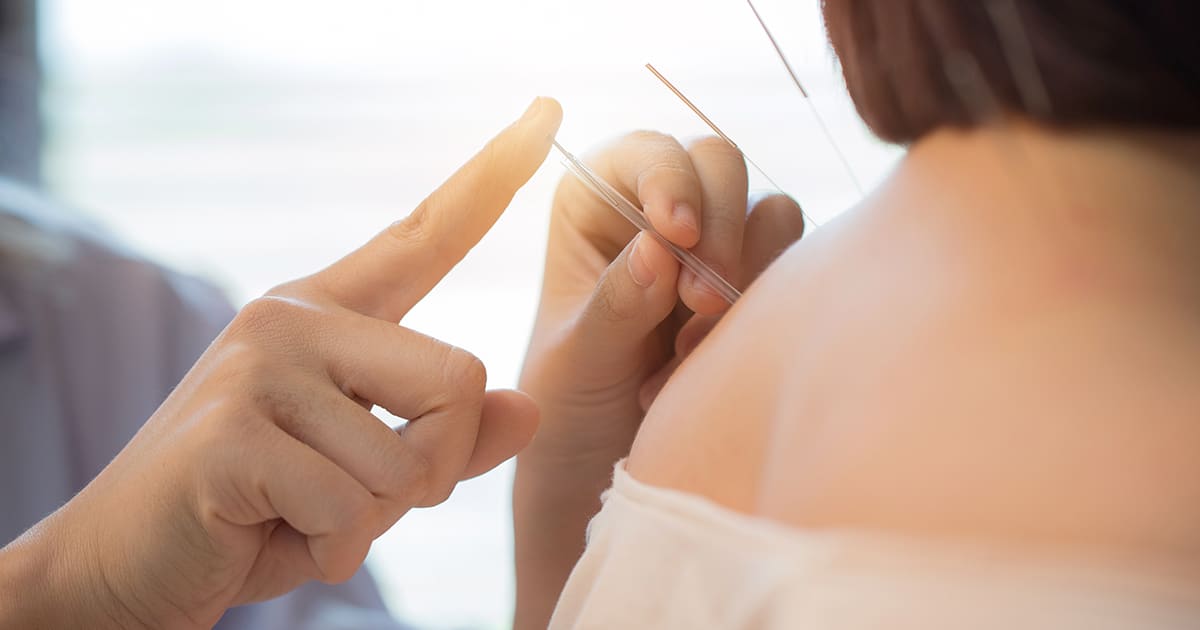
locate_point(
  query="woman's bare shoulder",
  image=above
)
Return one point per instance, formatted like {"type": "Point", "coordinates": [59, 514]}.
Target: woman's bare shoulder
{"type": "Point", "coordinates": [933, 379]}
{"type": "Point", "coordinates": [709, 429]}
{"type": "Point", "coordinates": [835, 327]}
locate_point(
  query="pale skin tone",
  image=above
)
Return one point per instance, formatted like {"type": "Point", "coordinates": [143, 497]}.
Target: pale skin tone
{"type": "Point", "coordinates": [986, 348]}
{"type": "Point", "coordinates": [265, 469]}
{"type": "Point", "coordinates": [972, 352]}
{"type": "Point", "coordinates": [617, 314]}
{"type": "Point", "coordinates": [1042, 353]}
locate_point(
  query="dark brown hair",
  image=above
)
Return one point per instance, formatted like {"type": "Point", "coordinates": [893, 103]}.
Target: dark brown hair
{"type": "Point", "coordinates": [914, 65]}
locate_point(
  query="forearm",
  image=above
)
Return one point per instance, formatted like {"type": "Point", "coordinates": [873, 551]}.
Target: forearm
{"type": "Point", "coordinates": [554, 498]}
{"type": "Point", "coordinates": [45, 582]}
{"type": "Point", "coordinates": [589, 417]}
{"type": "Point", "coordinates": [22, 587]}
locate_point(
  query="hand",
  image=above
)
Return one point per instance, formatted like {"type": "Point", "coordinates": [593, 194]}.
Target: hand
{"type": "Point", "coordinates": [265, 468]}
{"type": "Point", "coordinates": [617, 317]}
{"type": "Point", "coordinates": [618, 313]}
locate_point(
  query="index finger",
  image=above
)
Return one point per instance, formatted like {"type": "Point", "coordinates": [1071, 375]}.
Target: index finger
{"type": "Point", "coordinates": [657, 171]}
{"type": "Point", "coordinates": [394, 270]}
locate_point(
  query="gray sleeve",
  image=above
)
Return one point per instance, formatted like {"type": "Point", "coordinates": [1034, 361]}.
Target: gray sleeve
{"type": "Point", "coordinates": [197, 312]}
{"type": "Point", "coordinates": [92, 342]}
{"type": "Point", "coordinates": [355, 605]}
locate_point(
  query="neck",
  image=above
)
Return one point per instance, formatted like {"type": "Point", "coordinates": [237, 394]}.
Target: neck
{"type": "Point", "coordinates": [1107, 170]}
{"type": "Point", "coordinates": [1116, 201]}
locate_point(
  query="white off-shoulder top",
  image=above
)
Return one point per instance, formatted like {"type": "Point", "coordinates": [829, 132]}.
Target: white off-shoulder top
{"type": "Point", "coordinates": [664, 559]}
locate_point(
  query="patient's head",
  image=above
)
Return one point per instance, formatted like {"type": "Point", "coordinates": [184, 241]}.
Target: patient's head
{"type": "Point", "coordinates": [1112, 63]}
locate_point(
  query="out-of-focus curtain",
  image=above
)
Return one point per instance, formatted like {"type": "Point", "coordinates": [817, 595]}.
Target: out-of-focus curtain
{"type": "Point", "coordinates": [21, 130]}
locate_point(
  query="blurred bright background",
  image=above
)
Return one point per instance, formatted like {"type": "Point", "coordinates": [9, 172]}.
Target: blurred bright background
{"type": "Point", "coordinates": [252, 141]}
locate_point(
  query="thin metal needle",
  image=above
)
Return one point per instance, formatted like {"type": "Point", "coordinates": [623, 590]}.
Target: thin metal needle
{"type": "Point", "coordinates": [1018, 49]}
{"type": "Point", "coordinates": [1031, 86]}
{"type": "Point", "coordinates": [778, 49]}
{"type": "Point", "coordinates": [692, 106]}
{"type": "Point", "coordinates": [966, 77]}
{"type": "Point", "coordinates": [816, 114]}
{"type": "Point", "coordinates": [634, 215]}
{"type": "Point", "coordinates": [717, 130]}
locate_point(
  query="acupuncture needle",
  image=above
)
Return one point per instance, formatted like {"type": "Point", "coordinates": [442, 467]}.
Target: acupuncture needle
{"type": "Point", "coordinates": [717, 130]}
{"type": "Point", "coordinates": [634, 215]}
{"type": "Point", "coordinates": [803, 92]}
{"type": "Point", "coordinates": [965, 76]}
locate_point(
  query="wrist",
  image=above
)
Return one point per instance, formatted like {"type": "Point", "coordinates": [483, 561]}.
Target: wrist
{"type": "Point", "coordinates": [47, 581]}
{"type": "Point", "coordinates": [553, 502]}
{"type": "Point", "coordinates": [582, 425]}
{"type": "Point", "coordinates": [22, 587]}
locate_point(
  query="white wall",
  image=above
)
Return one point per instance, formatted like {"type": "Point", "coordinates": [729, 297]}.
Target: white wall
{"type": "Point", "coordinates": [256, 140]}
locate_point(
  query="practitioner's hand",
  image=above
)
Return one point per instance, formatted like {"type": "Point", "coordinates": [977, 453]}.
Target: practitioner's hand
{"type": "Point", "coordinates": [617, 316]}
{"type": "Point", "coordinates": [265, 468]}
{"type": "Point", "coordinates": [618, 312]}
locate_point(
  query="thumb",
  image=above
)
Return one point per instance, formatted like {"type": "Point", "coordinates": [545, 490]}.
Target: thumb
{"type": "Point", "coordinates": [636, 293]}
{"type": "Point", "coordinates": [506, 425]}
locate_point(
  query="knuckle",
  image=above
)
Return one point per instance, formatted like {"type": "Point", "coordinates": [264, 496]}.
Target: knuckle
{"type": "Point", "coordinates": [413, 229]}
{"type": "Point", "coordinates": [722, 226]}
{"type": "Point", "coordinates": [713, 145]}
{"type": "Point", "coordinates": [607, 304]}
{"type": "Point", "coordinates": [250, 382]}
{"type": "Point", "coordinates": [662, 168]}
{"type": "Point", "coordinates": [419, 234]}
{"type": "Point", "coordinates": [418, 479]}
{"type": "Point", "coordinates": [268, 315]}
{"type": "Point", "coordinates": [778, 214]}
{"type": "Point", "coordinates": [776, 205]}
{"type": "Point", "coordinates": [291, 410]}
{"type": "Point", "coordinates": [242, 367]}
{"type": "Point", "coordinates": [647, 138]}
{"type": "Point", "coordinates": [716, 151]}
{"type": "Point", "coordinates": [667, 174]}
{"type": "Point", "coordinates": [426, 484]}
{"type": "Point", "coordinates": [435, 486]}
{"type": "Point", "coordinates": [656, 152]}
{"type": "Point", "coordinates": [290, 288]}
{"type": "Point", "coordinates": [463, 370]}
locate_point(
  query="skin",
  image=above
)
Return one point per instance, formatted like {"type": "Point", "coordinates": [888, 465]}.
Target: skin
{"type": "Point", "coordinates": [985, 348]}
{"type": "Point", "coordinates": [617, 316]}
{"type": "Point", "coordinates": [264, 468]}
{"type": "Point", "coordinates": [989, 347]}
{"type": "Point", "coordinates": [1033, 381]}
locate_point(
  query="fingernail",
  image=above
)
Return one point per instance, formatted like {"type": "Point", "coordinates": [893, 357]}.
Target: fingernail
{"type": "Point", "coordinates": [685, 216]}
{"type": "Point", "coordinates": [533, 110]}
{"type": "Point", "coordinates": [639, 269]}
